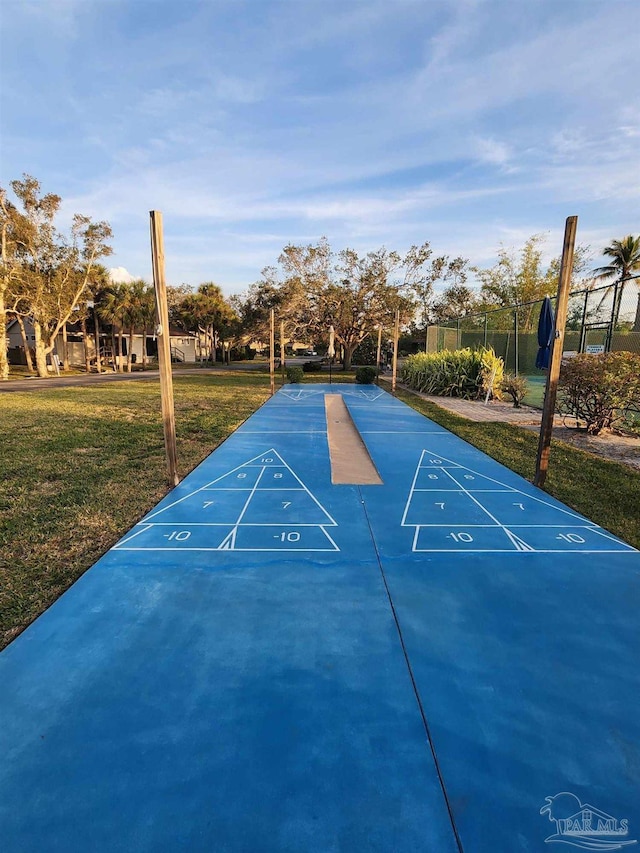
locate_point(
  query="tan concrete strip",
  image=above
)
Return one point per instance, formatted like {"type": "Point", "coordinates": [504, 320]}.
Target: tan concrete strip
{"type": "Point", "coordinates": [350, 460]}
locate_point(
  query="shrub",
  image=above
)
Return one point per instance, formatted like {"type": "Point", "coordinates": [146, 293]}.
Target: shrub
{"type": "Point", "coordinates": [365, 352]}
{"type": "Point", "coordinates": [295, 374]}
{"type": "Point", "coordinates": [312, 367]}
{"type": "Point", "coordinates": [365, 375]}
{"type": "Point", "coordinates": [463, 373]}
{"type": "Point", "coordinates": [516, 387]}
{"type": "Point", "coordinates": [600, 390]}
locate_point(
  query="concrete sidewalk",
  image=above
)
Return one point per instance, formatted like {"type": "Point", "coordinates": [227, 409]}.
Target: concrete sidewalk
{"type": "Point", "coordinates": [495, 411]}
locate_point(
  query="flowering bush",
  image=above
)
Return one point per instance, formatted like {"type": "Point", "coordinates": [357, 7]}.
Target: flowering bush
{"type": "Point", "coordinates": [600, 390]}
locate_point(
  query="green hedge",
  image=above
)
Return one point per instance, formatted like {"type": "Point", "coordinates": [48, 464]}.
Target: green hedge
{"type": "Point", "coordinates": [295, 374]}
{"type": "Point", "coordinates": [467, 373]}
{"type": "Point", "coordinates": [365, 375]}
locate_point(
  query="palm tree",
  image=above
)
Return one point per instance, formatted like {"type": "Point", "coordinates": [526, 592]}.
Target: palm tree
{"type": "Point", "coordinates": [625, 260]}
{"type": "Point", "coordinates": [112, 310]}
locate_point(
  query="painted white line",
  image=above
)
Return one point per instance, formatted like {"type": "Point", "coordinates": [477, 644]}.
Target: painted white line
{"type": "Point", "coordinates": [411, 490]}
{"type": "Point", "coordinates": [606, 535]}
{"type": "Point", "coordinates": [313, 498]}
{"type": "Point", "coordinates": [286, 550]}
{"type": "Point", "coordinates": [511, 551]}
{"type": "Point", "coordinates": [133, 535]}
{"type": "Point", "coordinates": [244, 508]}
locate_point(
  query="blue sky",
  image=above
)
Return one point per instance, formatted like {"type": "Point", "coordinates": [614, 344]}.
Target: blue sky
{"type": "Point", "coordinates": [253, 124]}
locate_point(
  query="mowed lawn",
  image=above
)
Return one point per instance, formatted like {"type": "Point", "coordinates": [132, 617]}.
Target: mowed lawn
{"type": "Point", "coordinates": [79, 466]}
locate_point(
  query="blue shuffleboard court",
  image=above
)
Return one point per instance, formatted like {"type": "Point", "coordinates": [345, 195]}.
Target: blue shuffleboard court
{"type": "Point", "coordinates": [448, 661]}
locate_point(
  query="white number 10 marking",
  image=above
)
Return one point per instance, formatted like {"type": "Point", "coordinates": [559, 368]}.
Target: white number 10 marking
{"type": "Point", "coordinates": [461, 537]}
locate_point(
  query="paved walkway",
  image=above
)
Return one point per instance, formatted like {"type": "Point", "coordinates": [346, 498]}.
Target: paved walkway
{"type": "Point", "coordinates": [624, 449]}
{"type": "Point", "coordinates": [476, 410]}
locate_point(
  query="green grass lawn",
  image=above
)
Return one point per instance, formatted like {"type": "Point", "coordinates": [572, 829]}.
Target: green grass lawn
{"type": "Point", "coordinates": [81, 465]}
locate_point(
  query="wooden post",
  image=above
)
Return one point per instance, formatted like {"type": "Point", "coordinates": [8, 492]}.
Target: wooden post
{"type": "Point", "coordinates": [272, 359]}
{"type": "Point", "coordinates": [564, 284]}
{"type": "Point", "coordinates": [378, 354]}
{"type": "Point", "coordinates": [282, 364]}
{"type": "Point", "coordinates": [396, 333]}
{"type": "Point", "coordinates": [164, 346]}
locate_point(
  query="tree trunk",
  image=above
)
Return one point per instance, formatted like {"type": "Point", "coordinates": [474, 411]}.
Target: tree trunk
{"type": "Point", "coordinates": [4, 362]}
{"type": "Point", "coordinates": [144, 348]}
{"type": "Point", "coordinates": [130, 353]}
{"type": "Point", "coordinates": [98, 360]}
{"type": "Point", "coordinates": [87, 356]}
{"type": "Point", "coordinates": [41, 353]}
{"type": "Point", "coordinates": [120, 348]}
{"type": "Point", "coordinates": [25, 343]}
{"type": "Point", "coordinates": [65, 348]}
{"type": "Point", "coordinates": [348, 350]}
{"type": "Point", "coordinates": [636, 324]}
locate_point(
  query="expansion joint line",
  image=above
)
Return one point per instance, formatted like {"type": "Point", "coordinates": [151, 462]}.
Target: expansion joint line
{"type": "Point", "coordinates": [413, 681]}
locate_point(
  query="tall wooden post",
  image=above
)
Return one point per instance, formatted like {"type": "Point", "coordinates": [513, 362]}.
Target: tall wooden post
{"type": "Point", "coordinates": [396, 334]}
{"type": "Point", "coordinates": [282, 364]}
{"type": "Point", "coordinates": [164, 346]}
{"type": "Point", "coordinates": [272, 355]}
{"type": "Point", "coordinates": [378, 354]}
{"type": "Point", "coordinates": [551, 389]}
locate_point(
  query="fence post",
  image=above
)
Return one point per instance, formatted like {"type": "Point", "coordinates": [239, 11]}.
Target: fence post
{"type": "Point", "coordinates": [282, 359]}
{"type": "Point", "coordinates": [486, 326]}
{"type": "Point", "coordinates": [379, 353]}
{"type": "Point", "coordinates": [272, 355]}
{"type": "Point", "coordinates": [515, 342]}
{"type": "Point", "coordinates": [615, 308]}
{"type": "Point", "coordinates": [564, 284]}
{"type": "Point", "coordinates": [583, 331]}
{"type": "Point", "coordinates": [396, 334]}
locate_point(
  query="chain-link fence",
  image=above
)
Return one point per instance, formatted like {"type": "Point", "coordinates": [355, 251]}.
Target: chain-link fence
{"type": "Point", "coordinates": [605, 319]}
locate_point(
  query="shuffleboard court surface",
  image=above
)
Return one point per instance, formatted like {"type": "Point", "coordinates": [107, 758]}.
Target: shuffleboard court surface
{"type": "Point", "coordinates": [269, 662]}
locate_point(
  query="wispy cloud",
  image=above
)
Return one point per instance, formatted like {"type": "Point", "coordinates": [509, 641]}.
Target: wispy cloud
{"type": "Point", "coordinates": [250, 124]}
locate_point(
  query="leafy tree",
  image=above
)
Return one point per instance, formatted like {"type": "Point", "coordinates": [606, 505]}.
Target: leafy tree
{"type": "Point", "coordinates": [47, 275]}
{"type": "Point", "coordinates": [624, 261]}
{"type": "Point", "coordinates": [363, 295]}
{"type": "Point", "coordinates": [10, 275]}
{"type": "Point", "coordinates": [440, 268]}
{"type": "Point", "coordinates": [457, 300]}
{"type": "Point", "coordinates": [209, 313]}
{"type": "Point", "coordinates": [521, 278]}
{"type": "Point", "coordinates": [112, 309]}
{"type": "Point", "coordinates": [313, 289]}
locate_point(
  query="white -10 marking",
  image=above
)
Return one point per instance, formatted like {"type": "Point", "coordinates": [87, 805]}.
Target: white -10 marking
{"type": "Point", "coordinates": [179, 535]}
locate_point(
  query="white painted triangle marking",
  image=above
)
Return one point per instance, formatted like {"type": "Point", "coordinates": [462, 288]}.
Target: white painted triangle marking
{"type": "Point", "coordinates": [229, 541]}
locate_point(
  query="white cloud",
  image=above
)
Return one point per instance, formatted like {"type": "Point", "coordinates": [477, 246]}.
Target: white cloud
{"type": "Point", "coordinates": [120, 275]}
